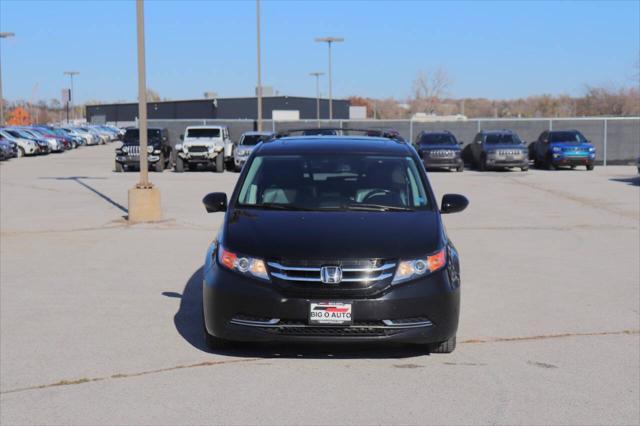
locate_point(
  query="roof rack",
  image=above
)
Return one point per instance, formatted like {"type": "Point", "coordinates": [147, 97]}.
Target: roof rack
{"type": "Point", "coordinates": [335, 131]}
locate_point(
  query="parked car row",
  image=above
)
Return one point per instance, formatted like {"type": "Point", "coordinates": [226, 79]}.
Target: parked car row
{"type": "Point", "coordinates": [211, 147]}
{"type": "Point", "coordinates": [21, 141]}
{"type": "Point", "coordinates": [200, 147]}
{"type": "Point", "coordinates": [503, 149]}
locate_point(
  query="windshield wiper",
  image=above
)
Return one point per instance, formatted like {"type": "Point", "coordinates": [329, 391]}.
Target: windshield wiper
{"type": "Point", "coordinates": [277, 206]}
{"type": "Point", "coordinates": [378, 208]}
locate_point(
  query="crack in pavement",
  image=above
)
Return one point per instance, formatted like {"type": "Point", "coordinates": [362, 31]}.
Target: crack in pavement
{"type": "Point", "coordinates": [125, 375]}
{"type": "Point", "coordinates": [235, 361]}
{"type": "Point", "coordinates": [549, 336]}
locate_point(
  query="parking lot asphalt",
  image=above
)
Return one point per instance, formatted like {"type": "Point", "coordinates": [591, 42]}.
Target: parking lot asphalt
{"type": "Point", "coordinates": [100, 321]}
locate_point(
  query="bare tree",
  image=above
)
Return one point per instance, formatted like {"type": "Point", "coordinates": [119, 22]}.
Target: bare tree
{"type": "Point", "coordinates": [428, 89]}
{"type": "Point", "coordinates": [153, 96]}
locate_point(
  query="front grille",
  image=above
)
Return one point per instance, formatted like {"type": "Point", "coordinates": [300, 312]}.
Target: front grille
{"type": "Point", "coordinates": [366, 271]}
{"type": "Point", "coordinates": [575, 151]}
{"type": "Point", "coordinates": [198, 148]}
{"type": "Point", "coordinates": [442, 153]}
{"type": "Point", "coordinates": [133, 150]}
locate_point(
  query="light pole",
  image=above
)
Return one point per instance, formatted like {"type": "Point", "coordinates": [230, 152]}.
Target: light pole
{"type": "Point", "coordinates": [317, 76]}
{"type": "Point", "coordinates": [330, 41]}
{"type": "Point", "coordinates": [259, 66]}
{"type": "Point", "coordinates": [71, 93]}
{"type": "Point", "coordinates": [144, 199]}
{"type": "Point", "coordinates": [2, 35]}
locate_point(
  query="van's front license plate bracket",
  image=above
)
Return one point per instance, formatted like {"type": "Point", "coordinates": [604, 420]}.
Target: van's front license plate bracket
{"type": "Point", "coordinates": [330, 313]}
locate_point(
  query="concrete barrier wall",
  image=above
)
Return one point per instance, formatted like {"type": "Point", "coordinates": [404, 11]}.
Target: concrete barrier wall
{"type": "Point", "coordinates": [620, 135]}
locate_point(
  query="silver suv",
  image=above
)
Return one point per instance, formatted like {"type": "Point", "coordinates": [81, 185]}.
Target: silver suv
{"type": "Point", "coordinates": [247, 142]}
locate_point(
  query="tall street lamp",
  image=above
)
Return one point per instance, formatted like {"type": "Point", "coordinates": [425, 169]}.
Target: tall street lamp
{"type": "Point", "coordinates": [330, 41]}
{"type": "Point", "coordinates": [317, 76]}
{"type": "Point", "coordinates": [144, 198]}
{"type": "Point", "coordinates": [71, 93]}
{"type": "Point", "coordinates": [2, 35]}
{"type": "Point", "coordinates": [259, 66]}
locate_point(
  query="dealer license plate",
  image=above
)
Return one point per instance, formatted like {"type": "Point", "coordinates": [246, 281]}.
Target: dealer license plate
{"type": "Point", "coordinates": [329, 313]}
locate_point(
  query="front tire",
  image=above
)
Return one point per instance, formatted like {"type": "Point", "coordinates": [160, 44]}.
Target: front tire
{"type": "Point", "coordinates": [525, 168]}
{"type": "Point", "coordinates": [445, 347]}
{"type": "Point", "coordinates": [159, 166]}
{"type": "Point", "coordinates": [590, 167]}
{"type": "Point", "coordinates": [179, 167]}
{"type": "Point", "coordinates": [220, 163]}
{"type": "Point", "coordinates": [549, 164]}
{"type": "Point", "coordinates": [119, 168]}
{"type": "Point", "coordinates": [483, 164]}
{"type": "Point", "coordinates": [20, 152]}
{"type": "Point", "coordinates": [460, 169]}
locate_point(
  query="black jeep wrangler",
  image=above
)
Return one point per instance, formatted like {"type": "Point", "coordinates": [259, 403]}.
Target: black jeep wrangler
{"type": "Point", "coordinates": [159, 149]}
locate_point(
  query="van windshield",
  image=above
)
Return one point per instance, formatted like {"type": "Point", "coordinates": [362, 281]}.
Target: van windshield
{"type": "Point", "coordinates": [327, 182]}
{"type": "Point", "coordinates": [203, 133]}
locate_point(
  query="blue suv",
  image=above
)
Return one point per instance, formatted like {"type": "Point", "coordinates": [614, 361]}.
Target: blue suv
{"type": "Point", "coordinates": [562, 148]}
{"type": "Point", "coordinates": [439, 149]}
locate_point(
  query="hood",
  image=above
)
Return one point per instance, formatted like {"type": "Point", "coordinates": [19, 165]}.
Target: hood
{"type": "Point", "coordinates": [202, 141]}
{"type": "Point", "coordinates": [430, 147]}
{"type": "Point", "coordinates": [296, 235]}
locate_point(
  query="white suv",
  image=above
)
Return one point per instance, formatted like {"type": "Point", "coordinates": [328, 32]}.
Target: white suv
{"type": "Point", "coordinates": [204, 145]}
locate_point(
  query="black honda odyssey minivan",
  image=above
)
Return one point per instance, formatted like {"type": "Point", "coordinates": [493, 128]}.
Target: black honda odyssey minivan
{"type": "Point", "coordinates": [332, 239]}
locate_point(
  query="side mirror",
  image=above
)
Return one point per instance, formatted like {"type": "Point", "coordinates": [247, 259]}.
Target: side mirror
{"type": "Point", "coordinates": [181, 137]}
{"type": "Point", "coordinates": [453, 203]}
{"type": "Point", "coordinates": [215, 202]}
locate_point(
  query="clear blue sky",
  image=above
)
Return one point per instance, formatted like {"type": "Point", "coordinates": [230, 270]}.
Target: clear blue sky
{"type": "Point", "coordinates": [491, 49]}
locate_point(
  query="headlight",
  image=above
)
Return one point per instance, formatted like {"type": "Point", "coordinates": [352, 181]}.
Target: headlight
{"type": "Point", "coordinates": [178, 147]}
{"type": "Point", "coordinates": [556, 149]}
{"type": "Point", "coordinates": [410, 269]}
{"type": "Point", "coordinates": [592, 149]}
{"type": "Point", "coordinates": [150, 149]}
{"type": "Point", "coordinates": [243, 264]}
{"type": "Point", "coordinates": [242, 152]}
{"type": "Point", "coordinates": [125, 149]}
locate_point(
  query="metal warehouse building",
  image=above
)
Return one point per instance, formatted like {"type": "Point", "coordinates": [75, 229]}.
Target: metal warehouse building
{"type": "Point", "coordinates": [220, 108]}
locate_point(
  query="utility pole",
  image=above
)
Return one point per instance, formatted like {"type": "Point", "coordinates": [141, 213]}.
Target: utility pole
{"type": "Point", "coordinates": [71, 93]}
{"type": "Point", "coordinates": [330, 41]}
{"type": "Point", "coordinates": [259, 66]}
{"type": "Point", "coordinates": [317, 76]}
{"type": "Point", "coordinates": [144, 199]}
{"type": "Point", "coordinates": [2, 35]}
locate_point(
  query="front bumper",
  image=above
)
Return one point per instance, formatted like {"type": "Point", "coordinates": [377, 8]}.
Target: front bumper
{"type": "Point", "coordinates": [129, 160]}
{"type": "Point", "coordinates": [243, 309]}
{"type": "Point", "coordinates": [200, 156]}
{"type": "Point", "coordinates": [442, 162]}
{"type": "Point", "coordinates": [507, 162]}
{"type": "Point", "coordinates": [573, 160]}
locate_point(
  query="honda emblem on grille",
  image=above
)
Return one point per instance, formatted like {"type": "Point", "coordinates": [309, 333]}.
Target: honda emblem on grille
{"type": "Point", "coordinates": [331, 274]}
